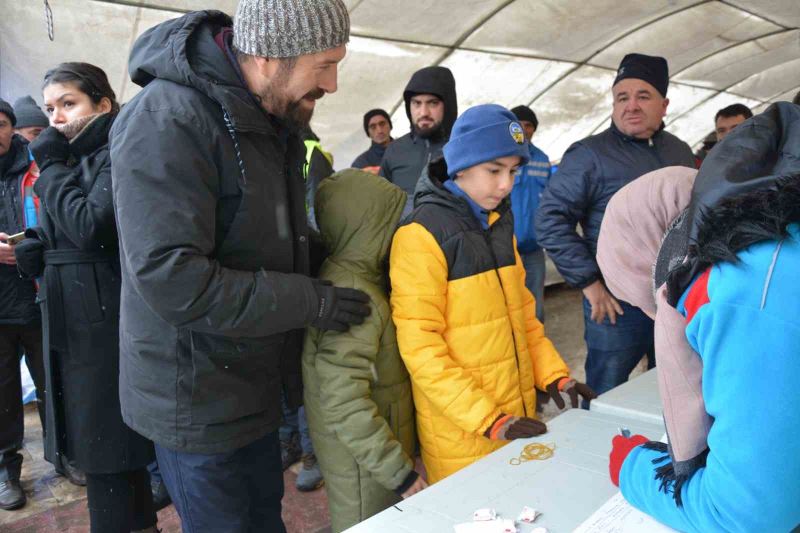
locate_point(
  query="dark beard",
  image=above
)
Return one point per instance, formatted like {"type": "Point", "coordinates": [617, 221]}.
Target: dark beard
{"type": "Point", "coordinates": [295, 118]}
{"type": "Point", "coordinates": [433, 134]}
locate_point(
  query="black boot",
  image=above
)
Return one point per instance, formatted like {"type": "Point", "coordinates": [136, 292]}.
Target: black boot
{"type": "Point", "coordinates": [11, 495]}
{"type": "Point", "coordinates": [72, 473]}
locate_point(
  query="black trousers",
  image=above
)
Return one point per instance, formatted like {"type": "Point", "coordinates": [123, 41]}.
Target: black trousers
{"type": "Point", "coordinates": [14, 341]}
{"type": "Point", "coordinates": [120, 503]}
{"type": "Point", "coordinates": [235, 492]}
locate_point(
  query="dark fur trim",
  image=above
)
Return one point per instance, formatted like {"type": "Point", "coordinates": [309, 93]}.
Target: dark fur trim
{"type": "Point", "coordinates": [744, 220]}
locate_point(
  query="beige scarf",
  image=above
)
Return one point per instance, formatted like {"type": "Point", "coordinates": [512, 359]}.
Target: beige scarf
{"type": "Point", "coordinates": [71, 130]}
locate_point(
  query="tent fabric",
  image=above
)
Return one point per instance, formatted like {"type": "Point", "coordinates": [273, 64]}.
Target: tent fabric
{"type": "Point", "coordinates": [558, 56]}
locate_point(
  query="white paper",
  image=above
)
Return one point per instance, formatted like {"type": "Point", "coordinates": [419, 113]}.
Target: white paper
{"type": "Point", "coordinates": [618, 516]}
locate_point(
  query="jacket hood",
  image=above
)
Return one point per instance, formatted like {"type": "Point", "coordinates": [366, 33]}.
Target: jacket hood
{"type": "Point", "coordinates": [358, 213]}
{"type": "Point", "coordinates": [759, 159]}
{"type": "Point", "coordinates": [633, 228]}
{"type": "Point", "coordinates": [183, 51]}
{"type": "Point", "coordinates": [440, 82]}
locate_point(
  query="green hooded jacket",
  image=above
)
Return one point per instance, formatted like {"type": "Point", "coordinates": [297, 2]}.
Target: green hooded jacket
{"type": "Point", "coordinates": [357, 390]}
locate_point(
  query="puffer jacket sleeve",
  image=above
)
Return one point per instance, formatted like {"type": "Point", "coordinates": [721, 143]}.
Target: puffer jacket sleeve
{"type": "Point", "coordinates": [165, 196]}
{"type": "Point", "coordinates": [548, 365]}
{"type": "Point", "coordinates": [564, 203]}
{"type": "Point", "coordinates": [418, 272]}
{"type": "Point", "coordinates": [345, 365]}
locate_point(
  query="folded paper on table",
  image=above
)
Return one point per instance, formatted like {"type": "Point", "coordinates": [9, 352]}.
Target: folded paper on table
{"type": "Point", "coordinates": [618, 516]}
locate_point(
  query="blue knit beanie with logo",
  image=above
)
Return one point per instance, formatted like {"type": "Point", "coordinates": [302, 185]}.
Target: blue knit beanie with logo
{"type": "Point", "coordinates": [484, 133]}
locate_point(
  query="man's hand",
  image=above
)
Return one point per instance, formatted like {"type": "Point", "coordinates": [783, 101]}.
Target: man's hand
{"type": "Point", "coordinates": [602, 303]}
{"type": "Point", "coordinates": [6, 251]}
{"type": "Point", "coordinates": [339, 308]}
{"type": "Point", "coordinates": [419, 485]}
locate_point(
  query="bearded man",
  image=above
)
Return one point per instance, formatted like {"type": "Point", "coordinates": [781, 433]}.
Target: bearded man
{"type": "Point", "coordinates": [216, 293]}
{"type": "Point", "coordinates": [431, 107]}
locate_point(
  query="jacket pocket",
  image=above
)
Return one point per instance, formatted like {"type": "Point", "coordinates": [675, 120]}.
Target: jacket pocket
{"type": "Point", "coordinates": [233, 377]}
{"type": "Point", "coordinates": [90, 294]}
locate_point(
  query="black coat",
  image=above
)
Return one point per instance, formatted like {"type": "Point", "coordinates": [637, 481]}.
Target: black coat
{"type": "Point", "coordinates": [17, 295]}
{"type": "Point", "coordinates": [80, 305]}
{"type": "Point", "coordinates": [370, 158]}
{"type": "Point", "coordinates": [209, 196]}
{"type": "Point", "coordinates": [590, 173]}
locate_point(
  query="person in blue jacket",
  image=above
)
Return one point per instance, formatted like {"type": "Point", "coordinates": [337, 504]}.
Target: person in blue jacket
{"type": "Point", "coordinates": [736, 302]}
{"type": "Point", "coordinates": [617, 334]}
{"type": "Point", "coordinates": [530, 181]}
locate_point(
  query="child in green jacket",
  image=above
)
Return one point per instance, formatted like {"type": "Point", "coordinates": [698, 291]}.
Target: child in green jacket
{"type": "Point", "coordinates": [357, 390]}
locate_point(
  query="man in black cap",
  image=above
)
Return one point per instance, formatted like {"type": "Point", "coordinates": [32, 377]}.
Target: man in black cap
{"type": "Point", "coordinates": [591, 171]}
{"type": "Point", "coordinates": [378, 127]}
{"type": "Point", "coordinates": [31, 120]}
{"type": "Point", "coordinates": [20, 320]}
{"type": "Point", "coordinates": [431, 107]}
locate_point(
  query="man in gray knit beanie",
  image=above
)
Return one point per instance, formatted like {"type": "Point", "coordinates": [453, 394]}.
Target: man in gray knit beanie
{"type": "Point", "coordinates": [208, 164]}
{"type": "Point", "coordinates": [288, 51]}
{"type": "Point", "coordinates": [31, 120]}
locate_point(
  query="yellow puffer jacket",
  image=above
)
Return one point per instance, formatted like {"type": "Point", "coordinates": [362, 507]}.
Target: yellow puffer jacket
{"type": "Point", "coordinates": [466, 325]}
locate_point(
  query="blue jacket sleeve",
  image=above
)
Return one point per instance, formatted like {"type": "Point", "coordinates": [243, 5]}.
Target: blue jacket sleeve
{"type": "Point", "coordinates": [564, 204]}
{"type": "Point", "coordinates": [751, 367]}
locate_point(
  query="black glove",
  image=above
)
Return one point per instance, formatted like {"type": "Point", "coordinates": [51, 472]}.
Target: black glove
{"type": "Point", "coordinates": [508, 427]}
{"type": "Point", "coordinates": [30, 258]}
{"type": "Point", "coordinates": [49, 147]}
{"type": "Point", "coordinates": [339, 308]}
{"type": "Point", "coordinates": [573, 390]}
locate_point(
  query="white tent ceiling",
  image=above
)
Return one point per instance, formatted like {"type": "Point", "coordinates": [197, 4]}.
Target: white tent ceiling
{"type": "Point", "coordinates": [559, 56]}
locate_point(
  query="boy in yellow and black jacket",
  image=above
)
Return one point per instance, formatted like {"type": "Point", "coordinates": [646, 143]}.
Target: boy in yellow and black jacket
{"type": "Point", "coordinates": [466, 324]}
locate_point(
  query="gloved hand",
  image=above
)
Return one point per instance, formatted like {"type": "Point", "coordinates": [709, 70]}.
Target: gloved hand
{"type": "Point", "coordinates": [30, 257]}
{"type": "Point", "coordinates": [339, 308]}
{"type": "Point", "coordinates": [620, 448]}
{"type": "Point", "coordinates": [49, 147]}
{"type": "Point", "coordinates": [573, 390]}
{"type": "Point", "coordinates": [509, 427]}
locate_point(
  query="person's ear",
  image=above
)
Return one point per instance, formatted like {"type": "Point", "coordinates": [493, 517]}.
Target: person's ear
{"type": "Point", "coordinates": [105, 105]}
{"type": "Point", "coordinates": [266, 67]}
{"type": "Point", "coordinates": [666, 104]}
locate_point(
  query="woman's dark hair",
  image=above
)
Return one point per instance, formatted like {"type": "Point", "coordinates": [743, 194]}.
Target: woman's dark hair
{"type": "Point", "coordinates": [89, 79]}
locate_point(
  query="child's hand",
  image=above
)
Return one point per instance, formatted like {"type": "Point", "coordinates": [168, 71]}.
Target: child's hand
{"type": "Point", "coordinates": [573, 390]}
{"type": "Point", "coordinates": [419, 485]}
{"type": "Point", "coordinates": [509, 427]}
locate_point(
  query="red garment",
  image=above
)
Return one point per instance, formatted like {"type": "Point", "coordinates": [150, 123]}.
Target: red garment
{"type": "Point", "coordinates": [620, 448]}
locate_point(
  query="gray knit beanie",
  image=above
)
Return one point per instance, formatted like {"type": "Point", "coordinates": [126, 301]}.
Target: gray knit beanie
{"type": "Point", "coordinates": [289, 28]}
{"type": "Point", "coordinates": [29, 114]}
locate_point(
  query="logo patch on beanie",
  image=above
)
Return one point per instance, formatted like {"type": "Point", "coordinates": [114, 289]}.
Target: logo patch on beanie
{"type": "Point", "coordinates": [516, 132]}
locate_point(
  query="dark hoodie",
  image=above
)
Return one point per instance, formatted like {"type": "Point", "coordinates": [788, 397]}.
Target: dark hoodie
{"type": "Point", "coordinates": [209, 197]}
{"type": "Point", "coordinates": [407, 157]}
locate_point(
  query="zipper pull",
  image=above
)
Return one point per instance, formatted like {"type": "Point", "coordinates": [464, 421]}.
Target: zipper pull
{"type": "Point", "coordinates": [650, 142]}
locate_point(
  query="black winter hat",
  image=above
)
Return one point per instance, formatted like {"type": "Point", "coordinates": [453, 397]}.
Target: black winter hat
{"type": "Point", "coordinates": [29, 114]}
{"type": "Point", "coordinates": [652, 69]}
{"type": "Point", "coordinates": [6, 108]}
{"type": "Point", "coordinates": [374, 113]}
{"type": "Point", "coordinates": [526, 114]}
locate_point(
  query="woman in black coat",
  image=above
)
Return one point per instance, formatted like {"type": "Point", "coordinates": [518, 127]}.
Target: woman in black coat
{"type": "Point", "coordinates": [80, 296]}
